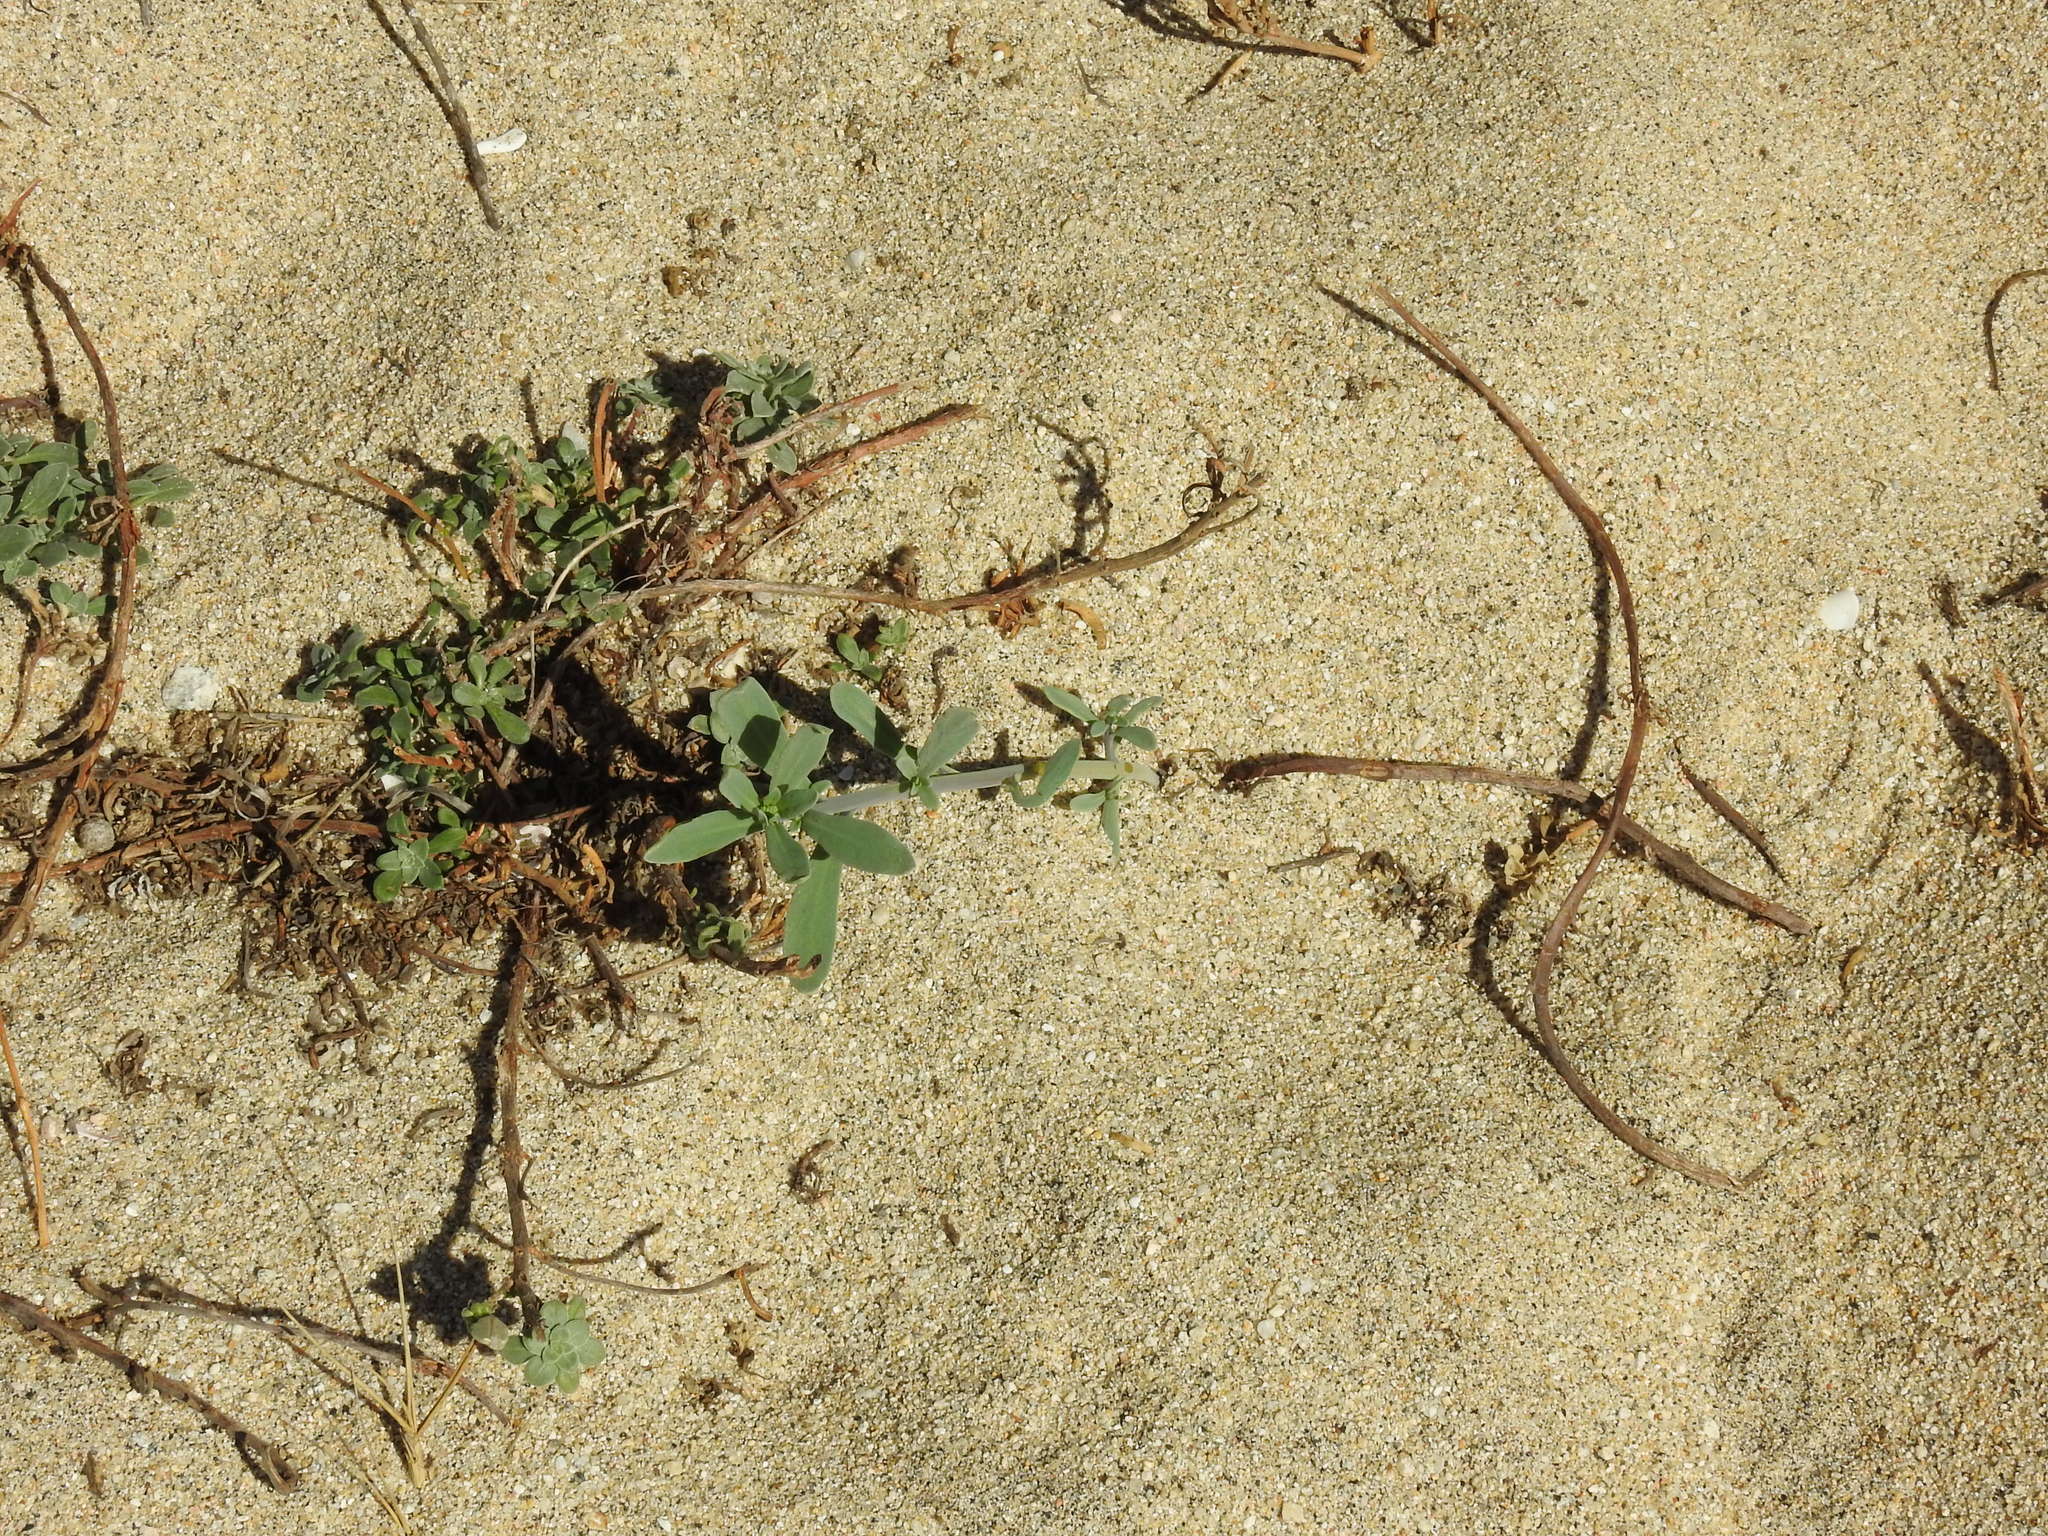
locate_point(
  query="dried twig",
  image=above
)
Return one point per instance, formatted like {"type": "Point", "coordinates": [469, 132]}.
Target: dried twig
{"type": "Point", "coordinates": [2025, 805]}
{"type": "Point", "coordinates": [1253, 20]}
{"type": "Point", "coordinates": [1228, 512]}
{"type": "Point", "coordinates": [266, 1460]}
{"type": "Point", "coordinates": [1721, 806]}
{"type": "Point", "coordinates": [146, 1293]}
{"type": "Point", "coordinates": [1552, 946]}
{"type": "Point", "coordinates": [1991, 316]}
{"type": "Point", "coordinates": [78, 755]}
{"type": "Point", "coordinates": [427, 62]}
{"type": "Point", "coordinates": [1677, 861]}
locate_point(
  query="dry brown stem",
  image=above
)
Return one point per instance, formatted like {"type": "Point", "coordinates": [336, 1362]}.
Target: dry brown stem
{"type": "Point", "coordinates": [77, 756]}
{"type": "Point", "coordinates": [1552, 946]}
{"type": "Point", "coordinates": [1677, 861]}
{"type": "Point", "coordinates": [266, 1460]}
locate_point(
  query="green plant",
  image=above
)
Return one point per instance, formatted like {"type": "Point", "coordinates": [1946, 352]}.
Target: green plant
{"type": "Point", "coordinates": [556, 1354]}
{"type": "Point", "coordinates": [55, 500]}
{"type": "Point", "coordinates": [420, 860]}
{"type": "Point", "coordinates": [771, 392]}
{"type": "Point", "coordinates": [871, 663]}
{"type": "Point", "coordinates": [1114, 728]}
{"type": "Point", "coordinates": [554, 509]}
{"type": "Point", "coordinates": [755, 738]}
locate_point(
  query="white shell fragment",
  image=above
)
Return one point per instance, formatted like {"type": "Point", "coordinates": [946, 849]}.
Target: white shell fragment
{"type": "Point", "coordinates": [502, 143]}
{"type": "Point", "coordinates": [1841, 610]}
{"type": "Point", "coordinates": [191, 688]}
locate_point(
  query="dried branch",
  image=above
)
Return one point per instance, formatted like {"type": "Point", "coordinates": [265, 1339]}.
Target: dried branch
{"type": "Point", "coordinates": [146, 1293]}
{"type": "Point", "coordinates": [266, 1460]}
{"type": "Point", "coordinates": [1676, 861]}
{"type": "Point", "coordinates": [1991, 316]}
{"type": "Point", "coordinates": [1552, 947]}
{"type": "Point", "coordinates": [79, 755]}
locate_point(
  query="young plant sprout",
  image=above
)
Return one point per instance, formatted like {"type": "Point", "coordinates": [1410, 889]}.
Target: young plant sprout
{"type": "Point", "coordinates": [769, 790]}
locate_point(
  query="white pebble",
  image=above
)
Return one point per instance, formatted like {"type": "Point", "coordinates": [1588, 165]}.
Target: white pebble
{"type": "Point", "coordinates": [502, 143]}
{"type": "Point", "coordinates": [1841, 610]}
{"type": "Point", "coordinates": [191, 688]}
{"type": "Point", "coordinates": [1268, 1329]}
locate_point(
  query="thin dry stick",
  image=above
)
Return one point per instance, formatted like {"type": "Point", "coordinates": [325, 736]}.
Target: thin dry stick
{"type": "Point", "coordinates": [1265, 36]}
{"type": "Point", "coordinates": [1991, 316]}
{"type": "Point", "coordinates": [1681, 864]}
{"type": "Point", "coordinates": [511, 1155]}
{"type": "Point", "coordinates": [435, 71]}
{"type": "Point", "coordinates": [152, 1295]}
{"type": "Point", "coordinates": [761, 445]}
{"type": "Point", "coordinates": [103, 702]}
{"type": "Point", "coordinates": [1552, 947]}
{"type": "Point", "coordinates": [1227, 513]}
{"type": "Point", "coordinates": [1721, 806]}
{"type": "Point", "coordinates": [577, 1269]}
{"type": "Point", "coordinates": [266, 1460]}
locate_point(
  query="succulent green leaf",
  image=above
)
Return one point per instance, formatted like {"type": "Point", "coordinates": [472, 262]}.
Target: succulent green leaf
{"type": "Point", "coordinates": [1139, 736]}
{"type": "Point", "coordinates": [1051, 778]}
{"type": "Point", "coordinates": [811, 926]}
{"type": "Point", "coordinates": [861, 844]}
{"type": "Point", "coordinates": [785, 853]}
{"type": "Point", "coordinates": [508, 725]}
{"type": "Point", "coordinates": [42, 491]}
{"type": "Point", "coordinates": [796, 754]}
{"type": "Point", "coordinates": [698, 836]}
{"type": "Point", "coordinates": [1069, 703]}
{"type": "Point", "coordinates": [73, 601]}
{"type": "Point", "coordinates": [864, 717]}
{"type": "Point", "coordinates": [950, 736]}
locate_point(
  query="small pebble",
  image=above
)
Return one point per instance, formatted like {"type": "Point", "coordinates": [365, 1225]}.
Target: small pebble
{"type": "Point", "coordinates": [1268, 1330]}
{"type": "Point", "coordinates": [1841, 610]}
{"type": "Point", "coordinates": [191, 688]}
{"type": "Point", "coordinates": [94, 835]}
{"type": "Point", "coordinates": [502, 143]}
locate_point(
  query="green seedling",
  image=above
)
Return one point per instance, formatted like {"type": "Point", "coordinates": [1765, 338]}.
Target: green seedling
{"type": "Point", "coordinates": [421, 860]}
{"type": "Point", "coordinates": [871, 663]}
{"type": "Point", "coordinates": [1113, 728]}
{"type": "Point", "coordinates": [53, 509]}
{"type": "Point", "coordinates": [757, 742]}
{"type": "Point", "coordinates": [556, 1354]}
{"type": "Point", "coordinates": [771, 392]}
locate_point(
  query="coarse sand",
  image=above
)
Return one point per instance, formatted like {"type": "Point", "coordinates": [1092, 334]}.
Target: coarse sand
{"type": "Point", "coordinates": [1181, 1194]}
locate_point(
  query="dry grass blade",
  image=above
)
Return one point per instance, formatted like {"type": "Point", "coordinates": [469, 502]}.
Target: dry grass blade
{"type": "Point", "coordinates": [2025, 805]}
{"type": "Point", "coordinates": [1552, 947]}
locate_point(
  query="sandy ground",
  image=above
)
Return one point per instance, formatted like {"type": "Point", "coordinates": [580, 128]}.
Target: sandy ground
{"type": "Point", "coordinates": [1267, 1219]}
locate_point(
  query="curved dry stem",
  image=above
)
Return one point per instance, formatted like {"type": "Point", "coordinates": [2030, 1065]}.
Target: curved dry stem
{"type": "Point", "coordinates": [1552, 947]}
